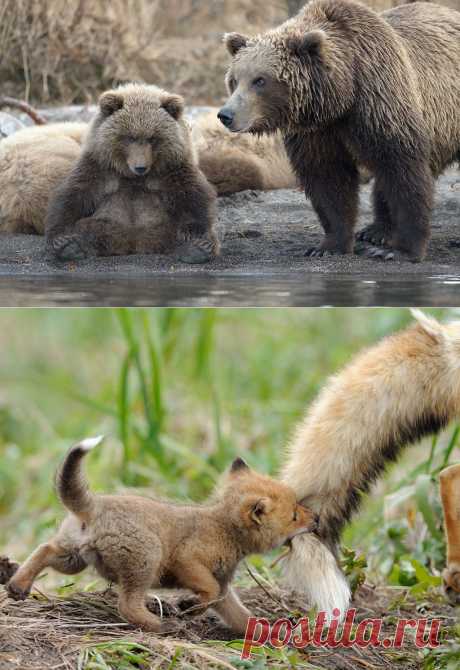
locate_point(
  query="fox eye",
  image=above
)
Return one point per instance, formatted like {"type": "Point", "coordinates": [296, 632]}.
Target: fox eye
{"type": "Point", "coordinates": [232, 83]}
{"type": "Point", "coordinates": [295, 516]}
{"type": "Point", "coordinates": [259, 82]}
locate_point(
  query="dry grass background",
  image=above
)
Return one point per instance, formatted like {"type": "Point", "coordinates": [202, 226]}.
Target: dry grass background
{"type": "Point", "coordinates": [56, 51]}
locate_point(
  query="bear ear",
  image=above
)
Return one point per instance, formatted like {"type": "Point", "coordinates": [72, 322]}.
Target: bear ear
{"type": "Point", "coordinates": [309, 44]}
{"type": "Point", "coordinates": [110, 102]}
{"type": "Point", "coordinates": [234, 42]}
{"type": "Point", "coordinates": [174, 105]}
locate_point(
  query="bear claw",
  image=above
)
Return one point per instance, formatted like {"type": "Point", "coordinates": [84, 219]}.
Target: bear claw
{"type": "Point", "coordinates": [373, 234]}
{"type": "Point", "coordinates": [321, 252]}
{"type": "Point", "coordinates": [381, 254]}
{"type": "Point", "coordinates": [316, 252]}
{"type": "Point", "coordinates": [392, 255]}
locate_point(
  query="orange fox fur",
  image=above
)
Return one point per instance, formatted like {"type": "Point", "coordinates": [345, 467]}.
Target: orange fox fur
{"type": "Point", "coordinates": [391, 395]}
{"type": "Point", "coordinates": [139, 543]}
{"type": "Point", "coordinates": [449, 482]}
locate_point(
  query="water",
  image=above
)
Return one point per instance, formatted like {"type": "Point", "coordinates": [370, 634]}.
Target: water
{"type": "Point", "coordinates": [299, 290]}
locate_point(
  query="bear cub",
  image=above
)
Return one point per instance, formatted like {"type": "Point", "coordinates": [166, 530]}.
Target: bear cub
{"type": "Point", "coordinates": [136, 187]}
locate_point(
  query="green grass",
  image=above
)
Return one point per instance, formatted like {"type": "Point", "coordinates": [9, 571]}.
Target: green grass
{"type": "Point", "coordinates": [179, 393]}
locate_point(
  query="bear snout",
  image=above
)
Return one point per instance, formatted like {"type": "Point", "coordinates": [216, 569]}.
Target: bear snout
{"type": "Point", "coordinates": [226, 116]}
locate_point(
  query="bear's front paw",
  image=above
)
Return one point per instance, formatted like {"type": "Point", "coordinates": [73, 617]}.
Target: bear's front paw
{"type": "Point", "coordinates": [16, 592]}
{"type": "Point", "coordinates": [324, 250]}
{"type": "Point", "coordinates": [196, 252]}
{"type": "Point", "coordinates": [374, 234]}
{"type": "Point", "coordinates": [68, 248]}
{"type": "Point", "coordinates": [384, 254]}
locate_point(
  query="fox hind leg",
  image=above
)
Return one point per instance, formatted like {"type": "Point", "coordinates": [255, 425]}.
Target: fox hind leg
{"type": "Point", "coordinates": [48, 555]}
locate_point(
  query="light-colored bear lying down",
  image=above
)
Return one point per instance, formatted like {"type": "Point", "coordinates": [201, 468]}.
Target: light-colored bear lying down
{"type": "Point", "coordinates": [34, 161]}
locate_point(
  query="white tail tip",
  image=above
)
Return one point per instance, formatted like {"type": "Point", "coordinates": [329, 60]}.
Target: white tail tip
{"type": "Point", "coordinates": [91, 442]}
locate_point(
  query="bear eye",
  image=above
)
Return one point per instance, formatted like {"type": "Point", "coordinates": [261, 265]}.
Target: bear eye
{"type": "Point", "coordinates": [130, 139]}
{"type": "Point", "coordinates": [259, 82]}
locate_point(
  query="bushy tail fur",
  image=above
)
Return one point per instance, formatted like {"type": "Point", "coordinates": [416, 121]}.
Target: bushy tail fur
{"type": "Point", "coordinates": [404, 388]}
{"type": "Point", "coordinates": [71, 484]}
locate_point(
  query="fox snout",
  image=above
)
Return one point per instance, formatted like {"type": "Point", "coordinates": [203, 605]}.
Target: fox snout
{"type": "Point", "coordinates": [312, 525]}
{"type": "Point", "coordinates": [306, 522]}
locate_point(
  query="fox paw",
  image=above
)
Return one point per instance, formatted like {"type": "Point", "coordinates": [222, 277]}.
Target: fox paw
{"type": "Point", "coordinates": [16, 592]}
{"type": "Point", "coordinates": [7, 569]}
{"type": "Point", "coordinates": [451, 580]}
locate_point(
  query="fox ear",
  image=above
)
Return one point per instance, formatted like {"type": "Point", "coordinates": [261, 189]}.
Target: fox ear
{"type": "Point", "coordinates": [309, 44]}
{"type": "Point", "coordinates": [174, 105]}
{"type": "Point", "coordinates": [259, 509]}
{"type": "Point", "coordinates": [238, 465]}
{"type": "Point", "coordinates": [234, 42]}
{"type": "Point", "coordinates": [110, 102]}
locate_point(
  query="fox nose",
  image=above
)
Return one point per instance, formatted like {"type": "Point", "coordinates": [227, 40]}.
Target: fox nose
{"type": "Point", "coordinates": [226, 117]}
{"type": "Point", "coordinates": [140, 170]}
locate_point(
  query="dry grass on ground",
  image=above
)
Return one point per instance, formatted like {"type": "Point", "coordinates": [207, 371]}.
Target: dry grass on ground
{"type": "Point", "coordinates": [55, 51]}
{"type": "Point", "coordinates": [83, 630]}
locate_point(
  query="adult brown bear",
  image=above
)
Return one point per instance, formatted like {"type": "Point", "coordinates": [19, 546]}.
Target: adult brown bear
{"type": "Point", "coordinates": [350, 87]}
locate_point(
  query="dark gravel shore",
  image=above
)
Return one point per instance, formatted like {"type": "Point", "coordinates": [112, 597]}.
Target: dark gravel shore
{"type": "Point", "coordinates": [265, 235]}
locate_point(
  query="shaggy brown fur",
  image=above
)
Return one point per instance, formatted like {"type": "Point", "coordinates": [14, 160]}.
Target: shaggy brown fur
{"type": "Point", "coordinates": [347, 86]}
{"type": "Point", "coordinates": [449, 482]}
{"type": "Point", "coordinates": [392, 395]}
{"type": "Point", "coordinates": [33, 162]}
{"type": "Point", "coordinates": [137, 187]}
{"type": "Point", "coordinates": [140, 543]}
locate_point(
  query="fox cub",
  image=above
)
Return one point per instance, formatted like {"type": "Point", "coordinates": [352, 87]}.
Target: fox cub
{"type": "Point", "coordinates": [139, 543]}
